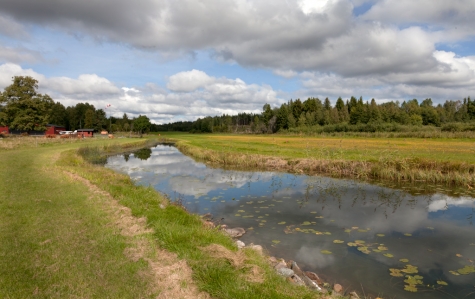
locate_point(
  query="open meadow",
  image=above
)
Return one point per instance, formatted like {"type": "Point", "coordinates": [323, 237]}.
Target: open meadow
{"type": "Point", "coordinates": [444, 160]}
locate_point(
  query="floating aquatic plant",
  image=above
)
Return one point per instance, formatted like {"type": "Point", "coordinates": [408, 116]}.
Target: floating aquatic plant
{"type": "Point", "coordinates": [326, 252]}
{"type": "Point", "coordinates": [364, 249]}
{"type": "Point", "coordinates": [338, 241]}
{"type": "Point", "coordinates": [466, 270]}
{"type": "Point", "coordinates": [410, 269]}
{"type": "Point", "coordinates": [412, 282]}
{"type": "Point", "coordinates": [395, 272]}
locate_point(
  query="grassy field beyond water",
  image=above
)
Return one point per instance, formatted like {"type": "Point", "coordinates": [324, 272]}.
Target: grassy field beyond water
{"type": "Point", "coordinates": [445, 161]}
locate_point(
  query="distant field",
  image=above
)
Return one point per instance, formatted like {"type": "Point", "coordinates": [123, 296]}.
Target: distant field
{"type": "Point", "coordinates": [337, 148]}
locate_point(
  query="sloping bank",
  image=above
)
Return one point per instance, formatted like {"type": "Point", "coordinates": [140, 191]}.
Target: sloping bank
{"type": "Point", "coordinates": [218, 268]}
{"type": "Point", "coordinates": [407, 170]}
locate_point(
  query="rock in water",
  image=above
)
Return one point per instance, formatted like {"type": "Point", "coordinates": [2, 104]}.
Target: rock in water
{"type": "Point", "coordinates": [296, 269]}
{"type": "Point", "coordinates": [235, 232]}
{"type": "Point", "coordinates": [311, 284]}
{"type": "Point", "coordinates": [313, 276]}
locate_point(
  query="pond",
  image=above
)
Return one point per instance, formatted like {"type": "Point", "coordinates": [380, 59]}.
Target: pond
{"type": "Point", "coordinates": [376, 240]}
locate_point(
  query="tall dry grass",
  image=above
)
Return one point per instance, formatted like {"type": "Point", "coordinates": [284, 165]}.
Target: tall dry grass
{"type": "Point", "coordinates": [384, 167]}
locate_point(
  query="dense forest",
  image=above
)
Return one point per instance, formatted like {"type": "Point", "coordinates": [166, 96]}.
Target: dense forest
{"type": "Point", "coordinates": [22, 108]}
{"type": "Point", "coordinates": [352, 115]}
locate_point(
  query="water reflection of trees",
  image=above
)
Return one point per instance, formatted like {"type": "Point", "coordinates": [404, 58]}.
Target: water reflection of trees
{"type": "Point", "coordinates": [143, 154]}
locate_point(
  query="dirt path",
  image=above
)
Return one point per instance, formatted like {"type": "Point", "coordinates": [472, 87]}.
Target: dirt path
{"type": "Point", "coordinates": [172, 277]}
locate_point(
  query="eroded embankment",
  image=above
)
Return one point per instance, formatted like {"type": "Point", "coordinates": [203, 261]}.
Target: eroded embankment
{"type": "Point", "coordinates": [409, 170]}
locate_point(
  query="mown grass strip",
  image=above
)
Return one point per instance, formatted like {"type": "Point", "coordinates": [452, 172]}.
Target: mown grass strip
{"type": "Point", "coordinates": [56, 241]}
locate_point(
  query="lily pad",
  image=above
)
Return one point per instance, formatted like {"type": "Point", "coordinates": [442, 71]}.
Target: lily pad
{"type": "Point", "coordinates": [410, 269]}
{"type": "Point", "coordinates": [380, 235]}
{"type": "Point", "coordinates": [360, 242]}
{"type": "Point", "coordinates": [395, 272]}
{"type": "Point", "coordinates": [326, 252]}
{"type": "Point", "coordinates": [338, 241]}
{"type": "Point", "coordinates": [441, 282]}
{"type": "Point", "coordinates": [347, 230]}
{"type": "Point", "coordinates": [466, 270]}
{"type": "Point", "coordinates": [413, 280]}
{"type": "Point", "coordinates": [410, 288]}
{"type": "Point", "coordinates": [283, 222]}
{"type": "Point", "coordinates": [306, 223]}
{"type": "Point", "coordinates": [454, 273]}
{"type": "Point", "coordinates": [408, 235]}
{"type": "Point", "coordinates": [404, 260]}
{"type": "Point", "coordinates": [275, 241]}
{"type": "Point", "coordinates": [364, 249]}
{"type": "Point", "coordinates": [382, 248]}
{"type": "Point", "coordinates": [352, 244]}
{"type": "Point", "coordinates": [388, 255]}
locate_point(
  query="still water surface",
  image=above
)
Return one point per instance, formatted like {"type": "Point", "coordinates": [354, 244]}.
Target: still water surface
{"type": "Point", "coordinates": [348, 232]}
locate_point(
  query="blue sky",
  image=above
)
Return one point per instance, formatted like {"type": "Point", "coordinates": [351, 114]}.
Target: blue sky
{"type": "Point", "coordinates": [184, 59]}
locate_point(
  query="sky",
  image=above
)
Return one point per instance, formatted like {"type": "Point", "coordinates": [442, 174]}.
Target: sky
{"type": "Point", "coordinates": [177, 60]}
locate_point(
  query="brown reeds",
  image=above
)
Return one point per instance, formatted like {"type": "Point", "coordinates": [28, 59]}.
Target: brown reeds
{"type": "Point", "coordinates": [385, 168]}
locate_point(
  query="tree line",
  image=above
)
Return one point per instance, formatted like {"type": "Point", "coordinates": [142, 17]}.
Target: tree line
{"type": "Point", "coordinates": [350, 115]}
{"type": "Point", "coordinates": [23, 108]}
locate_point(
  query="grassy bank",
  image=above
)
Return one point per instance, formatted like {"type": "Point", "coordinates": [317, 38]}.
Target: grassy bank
{"type": "Point", "coordinates": [439, 161]}
{"type": "Point", "coordinates": [72, 229]}
{"type": "Point", "coordinates": [56, 240]}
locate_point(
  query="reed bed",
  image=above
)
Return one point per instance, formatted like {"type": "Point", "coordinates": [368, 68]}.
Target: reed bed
{"type": "Point", "coordinates": [388, 165]}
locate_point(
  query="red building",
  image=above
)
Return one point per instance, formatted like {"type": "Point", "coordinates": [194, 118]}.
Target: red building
{"type": "Point", "coordinates": [4, 130]}
{"type": "Point", "coordinates": [54, 129]}
{"type": "Point", "coordinates": [85, 132]}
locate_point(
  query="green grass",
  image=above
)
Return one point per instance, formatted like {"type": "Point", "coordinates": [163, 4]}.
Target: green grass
{"type": "Point", "coordinates": [55, 242]}
{"type": "Point", "coordinates": [58, 239]}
